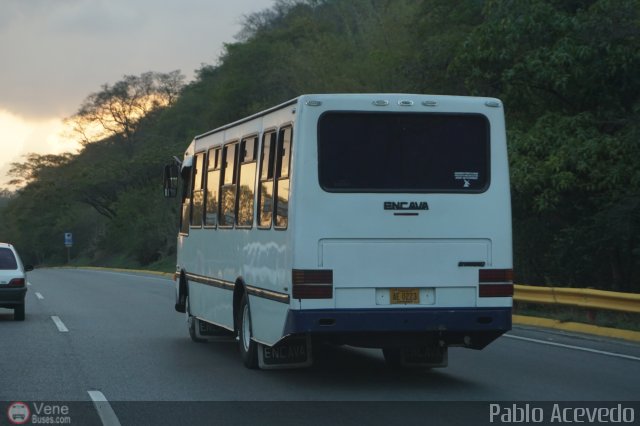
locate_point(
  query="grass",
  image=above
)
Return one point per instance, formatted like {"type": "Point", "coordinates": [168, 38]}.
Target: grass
{"type": "Point", "coordinates": [167, 264]}
{"type": "Point", "coordinates": [601, 318]}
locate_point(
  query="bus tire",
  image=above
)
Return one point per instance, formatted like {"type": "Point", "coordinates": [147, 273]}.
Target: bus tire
{"type": "Point", "coordinates": [248, 348]}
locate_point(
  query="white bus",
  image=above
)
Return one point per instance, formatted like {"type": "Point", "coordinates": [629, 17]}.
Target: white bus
{"type": "Point", "coordinates": [373, 220]}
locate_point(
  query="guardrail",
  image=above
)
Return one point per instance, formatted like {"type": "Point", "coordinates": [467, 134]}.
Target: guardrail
{"type": "Point", "coordinates": [580, 297]}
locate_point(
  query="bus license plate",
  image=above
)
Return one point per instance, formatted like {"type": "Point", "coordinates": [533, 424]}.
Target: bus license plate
{"type": "Point", "coordinates": [404, 296]}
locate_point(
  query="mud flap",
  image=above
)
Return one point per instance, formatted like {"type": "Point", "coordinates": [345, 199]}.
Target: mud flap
{"type": "Point", "coordinates": [425, 356]}
{"type": "Point", "coordinates": [293, 352]}
{"type": "Point", "coordinates": [210, 332]}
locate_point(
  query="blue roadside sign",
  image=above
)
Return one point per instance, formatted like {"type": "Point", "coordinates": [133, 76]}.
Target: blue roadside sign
{"type": "Point", "coordinates": [68, 239]}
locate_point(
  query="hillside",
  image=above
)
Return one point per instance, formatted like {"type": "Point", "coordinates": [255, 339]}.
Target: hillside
{"type": "Point", "coordinates": [566, 71]}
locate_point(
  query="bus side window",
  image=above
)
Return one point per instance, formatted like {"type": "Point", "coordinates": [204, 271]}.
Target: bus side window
{"type": "Point", "coordinates": [198, 192]}
{"type": "Point", "coordinates": [186, 200]}
{"type": "Point", "coordinates": [228, 190]}
{"type": "Point", "coordinates": [246, 181]}
{"type": "Point", "coordinates": [282, 177]}
{"type": "Point", "coordinates": [265, 195]}
{"type": "Point", "coordinates": [213, 188]}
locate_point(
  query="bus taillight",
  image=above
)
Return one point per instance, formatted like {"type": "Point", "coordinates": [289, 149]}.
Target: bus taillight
{"type": "Point", "coordinates": [312, 283]}
{"type": "Point", "coordinates": [495, 283]}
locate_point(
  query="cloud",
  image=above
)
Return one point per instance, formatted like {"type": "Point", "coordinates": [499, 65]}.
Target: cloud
{"type": "Point", "coordinates": [96, 19]}
{"type": "Point", "coordinates": [55, 53]}
{"type": "Point", "coordinates": [20, 136]}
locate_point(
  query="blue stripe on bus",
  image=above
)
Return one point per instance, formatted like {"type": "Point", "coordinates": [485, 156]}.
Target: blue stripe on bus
{"type": "Point", "coordinates": [462, 320]}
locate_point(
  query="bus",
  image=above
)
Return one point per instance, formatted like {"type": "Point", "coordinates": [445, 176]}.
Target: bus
{"type": "Point", "coordinates": [371, 220]}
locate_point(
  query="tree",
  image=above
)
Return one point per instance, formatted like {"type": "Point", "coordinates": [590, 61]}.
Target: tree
{"type": "Point", "coordinates": [440, 29]}
{"type": "Point", "coordinates": [35, 166]}
{"type": "Point", "coordinates": [567, 72]}
{"type": "Point", "coordinates": [5, 196]}
{"type": "Point", "coordinates": [116, 111]}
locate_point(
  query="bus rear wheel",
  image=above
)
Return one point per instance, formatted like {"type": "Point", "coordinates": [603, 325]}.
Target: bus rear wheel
{"type": "Point", "coordinates": [248, 348]}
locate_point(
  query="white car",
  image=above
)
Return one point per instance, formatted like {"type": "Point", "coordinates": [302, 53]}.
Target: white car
{"type": "Point", "coordinates": [13, 281]}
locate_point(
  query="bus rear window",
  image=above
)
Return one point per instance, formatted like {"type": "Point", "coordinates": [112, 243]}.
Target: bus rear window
{"type": "Point", "coordinates": [403, 152]}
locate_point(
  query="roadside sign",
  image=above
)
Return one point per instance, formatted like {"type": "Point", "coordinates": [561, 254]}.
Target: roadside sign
{"type": "Point", "coordinates": [68, 239]}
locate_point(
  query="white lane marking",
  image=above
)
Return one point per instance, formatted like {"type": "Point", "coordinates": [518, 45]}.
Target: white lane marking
{"type": "Point", "coordinates": [577, 348]}
{"type": "Point", "coordinates": [39, 296]}
{"type": "Point", "coordinates": [28, 283]}
{"type": "Point", "coordinates": [106, 413]}
{"type": "Point", "coordinates": [61, 327]}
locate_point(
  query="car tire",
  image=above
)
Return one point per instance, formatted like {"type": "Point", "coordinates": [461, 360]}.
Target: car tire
{"type": "Point", "coordinates": [248, 347]}
{"type": "Point", "coordinates": [18, 312]}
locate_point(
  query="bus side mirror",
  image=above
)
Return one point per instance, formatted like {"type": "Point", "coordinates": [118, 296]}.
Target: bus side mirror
{"type": "Point", "coordinates": [170, 181]}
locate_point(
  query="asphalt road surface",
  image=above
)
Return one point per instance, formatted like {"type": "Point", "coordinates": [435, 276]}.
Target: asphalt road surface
{"type": "Point", "coordinates": [110, 348]}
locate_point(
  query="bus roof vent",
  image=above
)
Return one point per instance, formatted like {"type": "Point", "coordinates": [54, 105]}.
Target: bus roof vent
{"type": "Point", "coordinates": [381, 102]}
{"type": "Point", "coordinates": [430, 103]}
{"type": "Point", "coordinates": [314, 103]}
{"type": "Point", "coordinates": [405, 102]}
{"type": "Point", "coordinates": [492, 104]}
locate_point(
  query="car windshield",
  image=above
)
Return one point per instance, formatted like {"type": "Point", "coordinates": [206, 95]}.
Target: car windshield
{"type": "Point", "coordinates": [7, 259]}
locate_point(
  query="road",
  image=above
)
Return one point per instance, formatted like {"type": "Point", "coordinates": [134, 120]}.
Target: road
{"type": "Point", "coordinates": [117, 337]}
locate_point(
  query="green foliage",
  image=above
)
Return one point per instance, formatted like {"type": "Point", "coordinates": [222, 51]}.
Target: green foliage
{"type": "Point", "coordinates": [148, 221]}
{"type": "Point", "coordinates": [566, 71]}
{"type": "Point", "coordinates": [544, 55]}
{"type": "Point", "coordinates": [36, 167]}
{"type": "Point", "coordinates": [5, 196]}
{"type": "Point", "coordinates": [442, 26]}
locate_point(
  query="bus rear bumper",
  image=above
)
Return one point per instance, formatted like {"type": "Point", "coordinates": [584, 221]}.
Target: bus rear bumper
{"type": "Point", "coordinates": [469, 327]}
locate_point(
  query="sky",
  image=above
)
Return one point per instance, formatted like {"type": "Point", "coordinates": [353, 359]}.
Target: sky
{"type": "Point", "coordinates": [54, 53]}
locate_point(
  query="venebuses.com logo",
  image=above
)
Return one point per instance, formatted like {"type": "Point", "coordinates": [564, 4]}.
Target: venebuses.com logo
{"type": "Point", "coordinates": [18, 413]}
